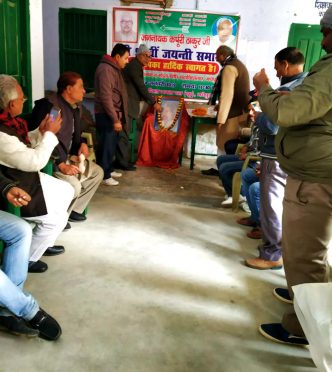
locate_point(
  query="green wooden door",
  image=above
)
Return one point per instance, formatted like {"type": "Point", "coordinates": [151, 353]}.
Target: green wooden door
{"type": "Point", "coordinates": [15, 43]}
{"type": "Point", "coordinates": [308, 39]}
{"type": "Point", "coordinates": [83, 40]}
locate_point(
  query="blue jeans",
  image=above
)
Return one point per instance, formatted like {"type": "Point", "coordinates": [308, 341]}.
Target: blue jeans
{"type": "Point", "coordinates": [108, 140]}
{"type": "Point", "coordinates": [250, 189]}
{"type": "Point", "coordinates": [227, 166]}
{"type": "Point", "coordinates": [16, 233]}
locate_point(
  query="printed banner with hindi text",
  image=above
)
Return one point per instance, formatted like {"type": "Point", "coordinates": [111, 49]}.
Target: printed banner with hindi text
{"type": "Point", "coordinates": [182, 44]}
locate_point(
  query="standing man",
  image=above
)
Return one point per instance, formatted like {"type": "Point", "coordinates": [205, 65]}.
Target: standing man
{"type": "Point", "coordinates": [304, 149]}
{"type": "Point", "coordinates": [137, 93]}
{"type": "Point", "coordinates": [85, 179]}
{"type": "Point", "coordinates": [233, 99]}
{"type": "Point", "coordinates": [111, 108]}
{"type": "Point", "coordinates": [289, 64]}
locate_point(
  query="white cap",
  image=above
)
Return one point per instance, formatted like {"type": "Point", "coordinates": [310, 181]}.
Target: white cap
{"type": "Point", "coordinates": [142, 49]}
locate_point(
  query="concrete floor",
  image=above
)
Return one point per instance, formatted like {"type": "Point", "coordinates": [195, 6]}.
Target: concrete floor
{"type": "Point", "coordinates": [154, 281]}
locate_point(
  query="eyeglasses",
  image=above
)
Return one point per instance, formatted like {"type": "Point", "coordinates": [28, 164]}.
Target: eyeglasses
{"type": "Point", "coordinates": [23, 99]}
{"type": "Point", "coordinates": [147, 55]}
{"type": "Point", "coordinates": [126, 21]}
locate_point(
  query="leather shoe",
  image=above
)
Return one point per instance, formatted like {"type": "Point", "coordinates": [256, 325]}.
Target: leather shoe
{"type": "Point", "coordinates": [255, 233]}
{"type": "Point", "coordinates": [67, 227]}
{"type": "Point", "coordinates": [49, 329]}
{"type": "Point", "coordinates": [54, 251]}
{"type": "Point", "coordinates": [260, 264]}
{"type": "Point", "coordinates": [210, 172]}
{"type": "Point", "coordinates": [16, 326]}
{"type": "Point", "coordinates": [246, 221]}
{"type": "Point", "coordinates": [76, 217]}
{"type": "Point", "coordinates": [37, 267]}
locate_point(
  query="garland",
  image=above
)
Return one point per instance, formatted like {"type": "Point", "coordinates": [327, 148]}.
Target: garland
{"type": "Point", "coordinates": [176, 117]}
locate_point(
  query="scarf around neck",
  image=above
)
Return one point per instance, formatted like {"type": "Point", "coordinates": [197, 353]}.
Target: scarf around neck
{"type": "Point", "coordinates": [19, 125]}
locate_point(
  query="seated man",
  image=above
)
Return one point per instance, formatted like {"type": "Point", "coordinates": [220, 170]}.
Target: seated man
{"type": "Point", "coordinates": [22, 155]}
{"type": "Point", "coordinates": [251, 191]}
{"type": "Point", "coordinates": [85, 181]}
{"type": "Point", "coordinates": [19, 311]}
{"type": "Point", "coordinates": [228, 165]}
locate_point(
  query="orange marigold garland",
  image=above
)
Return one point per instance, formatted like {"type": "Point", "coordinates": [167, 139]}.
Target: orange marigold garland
{"type": "Point", "coordinates": [176, 117]}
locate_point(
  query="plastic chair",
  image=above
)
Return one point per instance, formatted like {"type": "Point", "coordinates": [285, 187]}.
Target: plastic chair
{"type": "Point", "coordinates": [89, 140]}
{"type": "Point", "coordinates": [236, 182]}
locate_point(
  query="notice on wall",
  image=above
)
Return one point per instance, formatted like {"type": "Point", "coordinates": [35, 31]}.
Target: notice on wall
{"type": "Point", "coordinates": [322, 6]}
{"type": "Point", "coordinates": [182, 46]}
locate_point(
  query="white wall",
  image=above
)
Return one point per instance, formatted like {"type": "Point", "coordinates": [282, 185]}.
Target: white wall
{"type": "Point", "coordinates": [263, 32]}
{"type": "Point", "coordinates": [37, 50]}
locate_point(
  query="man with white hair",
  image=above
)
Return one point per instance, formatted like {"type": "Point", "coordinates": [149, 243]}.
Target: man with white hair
{"type": "Point", "coordinates": [304, 150]}
{"type": "Point", "coordinates": [22, 156]}
{"type": "Point", "coordinates": [139, 97]}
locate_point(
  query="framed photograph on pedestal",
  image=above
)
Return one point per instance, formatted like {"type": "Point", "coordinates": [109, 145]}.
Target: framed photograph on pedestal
{"type": "Point", "coordinates": [170, 116]}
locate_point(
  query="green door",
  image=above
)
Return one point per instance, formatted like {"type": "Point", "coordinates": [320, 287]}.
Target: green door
{"type": "Point", "coordinates": [15, 43]}
{"type": "Point", "coordinates": [308, 39]}
{"type": "Point", "coordinates": [83, 40]}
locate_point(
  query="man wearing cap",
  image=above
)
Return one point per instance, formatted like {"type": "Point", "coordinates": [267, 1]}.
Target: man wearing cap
{"type": "Point", "coordinates": [304, 150]}
{"type": "Point", "coordinates": [137, 90]}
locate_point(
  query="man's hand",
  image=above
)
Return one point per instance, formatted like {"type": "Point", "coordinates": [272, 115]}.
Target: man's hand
{"type": "Point", "coordinates": [18, 197]}
{"type": "Point", "coordinates": [68, 169]}
{"type": "Point", "coordinates": [118, 126]}
{"type": "Point", "coordinates": [261, 79]}
{"type": "Point", "coordinates": [84, 149]}
{"type": "Point", "coordinates": [157, 107]}
{"type": "Point", "coordinates": [243, 153]}
{"type": "Point", "coordinates": [50, 125]}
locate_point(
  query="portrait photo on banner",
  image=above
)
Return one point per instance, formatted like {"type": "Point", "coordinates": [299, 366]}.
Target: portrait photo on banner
{"type": "Point", "coordinates": [224, 31]}
{"type": "Point", "coordinates": [170, 116]}
{"type": "Point", "coordinates": [125, 26]}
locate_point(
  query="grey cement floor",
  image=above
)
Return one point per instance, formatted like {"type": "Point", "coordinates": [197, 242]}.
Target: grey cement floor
{"type": "Point", "coordinates": [154, 281]}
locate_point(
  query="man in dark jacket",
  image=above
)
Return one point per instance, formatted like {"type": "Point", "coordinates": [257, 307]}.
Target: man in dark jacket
{"type": "Point", "coordinates": [20, 313]}
{"type": "Point", "coordinates": [134, 78]}
{"type": "Point", "coordinates": [111, 108]}
{"type": "Point", "coordinates": [85, 178]}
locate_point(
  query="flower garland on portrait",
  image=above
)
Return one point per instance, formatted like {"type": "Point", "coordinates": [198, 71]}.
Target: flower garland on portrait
{"type": "Point", "coordinates": [176, 117]}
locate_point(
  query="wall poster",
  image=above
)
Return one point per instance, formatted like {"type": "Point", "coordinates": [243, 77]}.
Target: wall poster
{"type": "Point", "coordinates": [182, 45]}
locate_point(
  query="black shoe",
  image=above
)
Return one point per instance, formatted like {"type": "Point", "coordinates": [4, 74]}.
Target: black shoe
{"type": "Point", "coordinates": [128, 168]}
{"type": "Point", "coordinates": [54, 251]}
{"type": "Point", "coordinates": [16, 326]}
{"type": "Point", "coordinates": [210, 172]}
{"type": "Point", "coordinates": [37, 267]}
{"type": "Point", "coordinates": [275, 332]}
{"type": "Point", "coordinates": [49, 329]}
{"type": "Point", "coordinates": [283, 295]}
{"type": "Point", "coordinates": [76, 217]}
{"type": "Point", "coordinates": [67, 227]}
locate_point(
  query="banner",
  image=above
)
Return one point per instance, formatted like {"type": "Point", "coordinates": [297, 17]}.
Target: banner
{"type": "Point", "coordinates": [182, 44]}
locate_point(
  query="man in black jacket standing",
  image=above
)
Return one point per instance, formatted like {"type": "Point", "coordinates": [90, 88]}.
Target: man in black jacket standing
{"type": "Point", "coordinates": [137, 92]}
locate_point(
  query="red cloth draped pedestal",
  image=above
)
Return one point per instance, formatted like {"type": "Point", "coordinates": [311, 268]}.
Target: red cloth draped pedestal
{"type": "Point", "coordinates": [162, 148]}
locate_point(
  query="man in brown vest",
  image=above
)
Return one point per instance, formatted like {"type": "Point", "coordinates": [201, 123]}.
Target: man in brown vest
{"type": "Point", "coordinates": [233, 93]}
